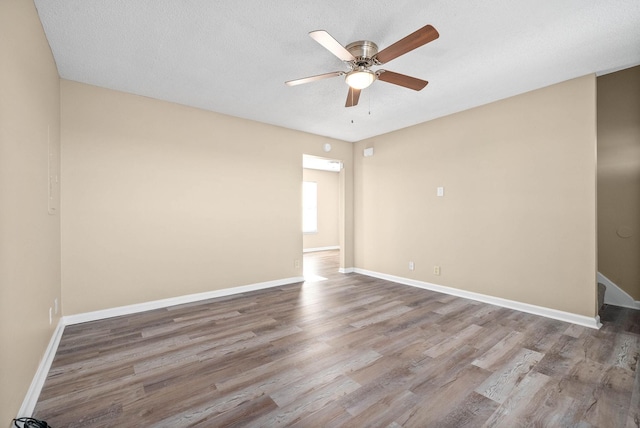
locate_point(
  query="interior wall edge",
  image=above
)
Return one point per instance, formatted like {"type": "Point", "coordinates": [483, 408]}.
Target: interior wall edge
{"type": "Point", "coordinates": [31, 397]}
{"type": "Point", "coordinates": [173, 301]}
{"type": "Point", "coordinates": [583, 320]}
{"type": "Point", "coordinates": [616, 296]}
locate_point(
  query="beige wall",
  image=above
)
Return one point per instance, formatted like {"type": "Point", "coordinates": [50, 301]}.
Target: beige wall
{"type": "Point", "coordinates": [161, 200]}
{"type": "Point", "coordinates": [619, 179]}
{"type": "Point", "coordinates": [518, 219]}
{"type": "Point", "coordinates": [29, 236]}
{"type": "Point", "coordinates": [328, 209]}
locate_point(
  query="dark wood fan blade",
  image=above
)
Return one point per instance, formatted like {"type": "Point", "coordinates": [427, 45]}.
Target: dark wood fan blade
{"type": "Point", "coordinates": [331, 45]}
{"type": "Point", "coordinates": [402, 80]}
{"type": "Point", "coordinates": [352, 97]}
{"type": "Point", "coordinates": [313, 78]}
{"type": "Point", "coordinates": [414, 40]}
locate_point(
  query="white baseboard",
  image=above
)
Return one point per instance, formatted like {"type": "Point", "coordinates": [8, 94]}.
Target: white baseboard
{"type": "Point", "coordinates": [31, 399]}
{"type": "Point", "coordinates": [346, 270]}
{"type": "Point", "coordinates": [173, 301]}
{"type": "Point", "coordinates": [616, 296]}
{"type": "Point", "coordinates": [311, 250]}
{"type": "Point", "coordinates": [505, 303]}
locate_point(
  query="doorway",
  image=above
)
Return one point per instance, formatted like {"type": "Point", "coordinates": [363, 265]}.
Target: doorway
{"type": "Point", "coordinates": [321, 210]}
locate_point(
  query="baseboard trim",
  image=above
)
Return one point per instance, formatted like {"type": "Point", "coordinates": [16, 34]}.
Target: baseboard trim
{"type": "Point", "coordinates": [312, 250]}
{"type": "Point", "coordinates": [505, 303]}
{"type": "Point", "coordinates": [173, 301]}
{"type": "Point", "coordinates": [616, 296]}
{"type": "Point", "coordinates": [31, 398]}
{"type": "Point", "coordinates": [346, 270]}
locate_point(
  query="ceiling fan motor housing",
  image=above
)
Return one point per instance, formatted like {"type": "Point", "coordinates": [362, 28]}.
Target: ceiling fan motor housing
{"type": "Point", "coordinates": [363, 51]}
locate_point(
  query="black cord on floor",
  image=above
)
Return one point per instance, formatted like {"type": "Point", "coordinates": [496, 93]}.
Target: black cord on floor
{"type": "Point", "coordinates": [30, 423]}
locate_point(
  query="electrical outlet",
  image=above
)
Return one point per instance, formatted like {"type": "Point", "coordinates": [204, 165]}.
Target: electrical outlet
{"type": "Point", "coordinates": [50, 316]}
{"type": "Point", "coordinates": [411, 266]}
{"type": "Point", "coordinates": [436, 270]}
{"type": "Point", "coordinates": [296, 263]}
{"type": "Point", "coordinates": [55, 306]}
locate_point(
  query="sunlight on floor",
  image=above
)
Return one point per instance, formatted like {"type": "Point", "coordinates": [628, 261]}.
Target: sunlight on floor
{"type": "Point", "coordinates": [310, 270]}
{"type": "Point", "coordinates": [312, 277]}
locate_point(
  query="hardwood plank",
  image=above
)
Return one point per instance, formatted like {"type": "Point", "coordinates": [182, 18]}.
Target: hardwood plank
{"type": "Point", "coordinates": [500, 352]}
{"type": "Point", "coordinates": [612, 398]}
{"type": "Point", "coordinates": [310, 402]}
{"type": "Point", "coordinates": [499, 385]}
{"type": "Point", "coordinates": [270, 369]}
{"type": "Point", "coordinates": [290, 394]}
{"type": "Point", "coordinates": [385, 411]}
{"type": "Point", "coordinates": [450, 343]}
{"type": "Point", "coordinates": [437, 405]}
{"type": "Point", "coordinates": [575, 331]}
{"type": "Point", "coordinates": [633, 417]}
{"type": "Point", "coordinates": [509, 414]}
{"type": "Point", "coordinates": [330, 415]}
{"type": "Point", "coordinates": [626, 351]}
{"type": "Point", "coordinates": [381, 316]}
{"type": "Point", "coordinates": [434, 373]}
{"type": "Point", "coordinates": [472, 412]}
{"type": "Point", "coordinates": [378, 389]}
{"type": "Point", "coordinates": [242, 415]}
{"type": "Point", "coordinates": [562, 357]}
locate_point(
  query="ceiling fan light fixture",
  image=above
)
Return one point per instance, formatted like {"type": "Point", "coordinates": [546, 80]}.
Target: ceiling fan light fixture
{"type": "Point", "coordinates": [360, 79]}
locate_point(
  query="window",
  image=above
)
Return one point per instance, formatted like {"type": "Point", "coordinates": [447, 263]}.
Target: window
{"type": "Point", "coordinates": [309, 207]}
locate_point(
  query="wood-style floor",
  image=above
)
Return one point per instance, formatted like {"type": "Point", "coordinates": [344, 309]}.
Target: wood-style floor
{"type": "Point", "coordinates": [348, 350]}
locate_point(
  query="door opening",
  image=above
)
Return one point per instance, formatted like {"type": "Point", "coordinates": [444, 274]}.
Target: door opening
{"type": "Point", "coordinates": [321, 210]}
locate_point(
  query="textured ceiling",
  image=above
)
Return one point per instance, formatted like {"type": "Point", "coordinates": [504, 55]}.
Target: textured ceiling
{"type": "Point", "coordinates": [233, 57]}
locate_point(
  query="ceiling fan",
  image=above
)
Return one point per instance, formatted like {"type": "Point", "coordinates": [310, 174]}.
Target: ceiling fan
{"type": "Point", "coordinates": [360, 56]}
